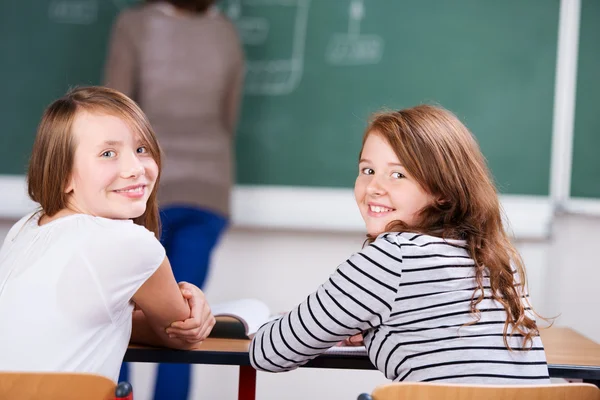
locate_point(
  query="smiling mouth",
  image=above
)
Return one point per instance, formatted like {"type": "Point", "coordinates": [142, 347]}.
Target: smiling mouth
{"type": "Point", "coordinates": [138, 189]}
{"type": "Point", "coordinates": [379, 209]}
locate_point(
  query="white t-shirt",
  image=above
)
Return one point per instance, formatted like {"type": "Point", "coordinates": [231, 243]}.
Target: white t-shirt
{"type": "Point", "coordinates": [66, 289]}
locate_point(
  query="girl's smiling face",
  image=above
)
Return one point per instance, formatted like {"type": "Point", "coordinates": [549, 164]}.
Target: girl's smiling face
{"type": "Point", "coordinates": [113, 172]}
{"type": "Point", "coordinates": [384, 190]}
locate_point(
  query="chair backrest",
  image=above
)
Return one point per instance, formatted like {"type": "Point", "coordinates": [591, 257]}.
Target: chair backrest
{"type": "Point", "coordinates": [434, 391]}
{"type": "Point", "coordinates": [55, 386]}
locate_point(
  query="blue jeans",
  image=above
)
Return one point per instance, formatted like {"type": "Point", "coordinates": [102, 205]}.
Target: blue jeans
{"type": "Point", "coordinates": [189, 235]}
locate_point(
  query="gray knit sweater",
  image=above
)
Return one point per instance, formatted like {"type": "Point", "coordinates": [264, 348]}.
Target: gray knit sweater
{"type": "Point", "coordinates": [186, 73]}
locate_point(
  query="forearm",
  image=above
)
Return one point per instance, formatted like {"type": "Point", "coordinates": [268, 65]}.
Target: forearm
{"type": "Point", "coordinates": [161, 300]}
{"type": "Point", "coordinates": [145, 332]}
{"type": "Point", "coordinates": [300, 336]}
{"type": "Point", "coordinates": [355, 299]}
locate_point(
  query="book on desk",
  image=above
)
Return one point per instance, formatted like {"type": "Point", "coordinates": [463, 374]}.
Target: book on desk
{"type": "Point", "coordinates": [242, 318]}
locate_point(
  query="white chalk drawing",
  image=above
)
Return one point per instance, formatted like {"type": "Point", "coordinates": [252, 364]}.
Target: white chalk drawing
{"type": "Point", "coordinates": [352, 48]}
{"type": "Point", "coordinates": [79, 12]}
{"type": "Point", "coordinates": [253, 30]}
{"type": "Point", "coordinates": [276, 75]}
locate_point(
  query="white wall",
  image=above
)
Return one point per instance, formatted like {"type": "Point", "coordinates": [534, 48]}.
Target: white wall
{"type": "Point", "coordinates": [283, 267]}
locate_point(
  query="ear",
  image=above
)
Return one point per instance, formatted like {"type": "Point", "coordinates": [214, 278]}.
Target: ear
{"type": "Point", "coordinates": [70, 185]}
{"type": "Point", "coordinates": [442, 202]}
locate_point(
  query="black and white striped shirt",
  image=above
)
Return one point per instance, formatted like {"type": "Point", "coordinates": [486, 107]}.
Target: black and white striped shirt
{"type": "Point", "coordinates": [410, 296]}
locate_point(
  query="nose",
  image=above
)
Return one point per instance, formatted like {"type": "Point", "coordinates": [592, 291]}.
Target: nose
{"type": "Point", "coordinates": [132, 167]}
{"type": "Point", "coordinates": [375, 187]}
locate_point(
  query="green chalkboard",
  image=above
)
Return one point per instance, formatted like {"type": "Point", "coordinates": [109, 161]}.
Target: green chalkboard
{"type": "Point", "coordinates": [47, 46]}
{"type": "Point", "coordinates": [317, 68]}
{"type": "Point", "coordinates": [585, 181]}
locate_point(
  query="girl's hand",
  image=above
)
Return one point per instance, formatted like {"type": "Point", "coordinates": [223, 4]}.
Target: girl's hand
{"type": "Point", "coordinates": [196, 328]}
{"type": "Point", "coordinates": [356, 340]}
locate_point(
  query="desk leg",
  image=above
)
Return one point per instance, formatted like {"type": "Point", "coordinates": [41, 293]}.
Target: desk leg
{"type": "Point", "coordinates": [247, 384]}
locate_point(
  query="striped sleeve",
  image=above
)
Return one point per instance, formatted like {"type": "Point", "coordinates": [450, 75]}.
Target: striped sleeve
{"type": "Point", "coordinates": [358, 296]}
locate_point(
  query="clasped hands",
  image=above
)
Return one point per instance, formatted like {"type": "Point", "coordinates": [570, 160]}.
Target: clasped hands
{"type": "Point", "coordinates": [197, 328]}
{"type": "Point", "coordinates": [201, 321]}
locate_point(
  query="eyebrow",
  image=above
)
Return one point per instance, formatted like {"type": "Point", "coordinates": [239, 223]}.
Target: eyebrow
{"type": "Point", "coordinates": [368, 161]}
{"type": "Point", "coordinates": [111, 143]}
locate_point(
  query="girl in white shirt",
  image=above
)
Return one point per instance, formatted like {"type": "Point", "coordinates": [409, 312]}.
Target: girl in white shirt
{"type": "Point", "coordinates": [71, 273]}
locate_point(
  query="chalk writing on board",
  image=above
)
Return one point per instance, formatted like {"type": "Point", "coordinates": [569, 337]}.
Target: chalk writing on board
{"type": "Point", "coordinates": [354, 48]}
{"type": "Point", "coordinates": [79, 12]}
{"type": "Point", "coordinates": [280, 26]}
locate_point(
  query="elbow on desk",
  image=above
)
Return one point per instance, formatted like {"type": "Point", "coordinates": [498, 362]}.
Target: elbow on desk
{"type": "Point", "coordinates": [263, 364]}
{"type": "Point", "coordinates": [180, 344]}
{"type": "Point", "coordinates": [273, 363]}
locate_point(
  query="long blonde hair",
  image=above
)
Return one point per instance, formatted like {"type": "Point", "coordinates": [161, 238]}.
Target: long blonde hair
{"type": "Point", "coordinates": [442, 155]}
{"type": "Point", "coordinates": [51, 162]}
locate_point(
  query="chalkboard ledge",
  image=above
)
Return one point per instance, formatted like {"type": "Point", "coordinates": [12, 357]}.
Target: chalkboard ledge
{"type": "Point", "coordinates": [582, 205]}
{"type": "Point", "coordinates": [281, 207]}
{"type": "Point", "coordinates": [309, 208]}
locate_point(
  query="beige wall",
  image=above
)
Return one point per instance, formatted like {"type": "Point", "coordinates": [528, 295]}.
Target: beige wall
{"type": "Point", "coordinates": [283, 267]}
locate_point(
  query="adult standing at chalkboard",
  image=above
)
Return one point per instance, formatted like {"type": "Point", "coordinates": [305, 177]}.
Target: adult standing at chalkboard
{"type": "Point", "coordinates": [182, 61]}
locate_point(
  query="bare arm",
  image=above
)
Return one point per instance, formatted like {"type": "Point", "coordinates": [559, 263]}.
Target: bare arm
{"type": "Point", "coordinates": [143, 333]}
{"type": "Point", "coordinates": [181, 334]}
{"type": "Point", "coordinates": [160, 303]}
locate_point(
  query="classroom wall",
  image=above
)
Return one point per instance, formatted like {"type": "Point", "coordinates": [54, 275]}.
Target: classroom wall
{"type": "Point", "coordinates": [283, 267]}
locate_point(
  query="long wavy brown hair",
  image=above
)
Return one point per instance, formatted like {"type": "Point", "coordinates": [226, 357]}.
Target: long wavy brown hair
{"type": "Point", "coordinates": [51, 162]}
{"type": "Point", "coordinates": [442, 155]}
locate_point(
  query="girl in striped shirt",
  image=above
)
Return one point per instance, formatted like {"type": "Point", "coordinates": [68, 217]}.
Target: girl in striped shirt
{"type": "Point", "coordinates": [439, 292]}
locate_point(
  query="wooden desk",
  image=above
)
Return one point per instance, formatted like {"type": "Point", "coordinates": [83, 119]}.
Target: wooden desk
{"type": "Point", "coordinates": [570, 355]}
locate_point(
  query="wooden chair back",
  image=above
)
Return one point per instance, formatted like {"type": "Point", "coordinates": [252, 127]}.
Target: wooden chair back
{"type": "Point", "coordinates": [434, 391]}
{"type": "Point", "coordinates": [55, 386]}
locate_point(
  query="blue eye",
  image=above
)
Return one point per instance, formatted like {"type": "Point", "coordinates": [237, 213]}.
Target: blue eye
{"type": "Point", "coordinates": [142, 150]}
{"type": "Point", "coordinates": [367, 171]}
{"type": "Point", "coordinates": [397, 175]}
{"type": "Point", "coordinates": [109, 154]}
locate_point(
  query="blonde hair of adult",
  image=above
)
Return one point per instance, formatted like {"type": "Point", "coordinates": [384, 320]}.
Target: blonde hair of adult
{"type": "Point", "coordinates": [51, 161]}
{"type": "Point", "coordinates": [442, 155]}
